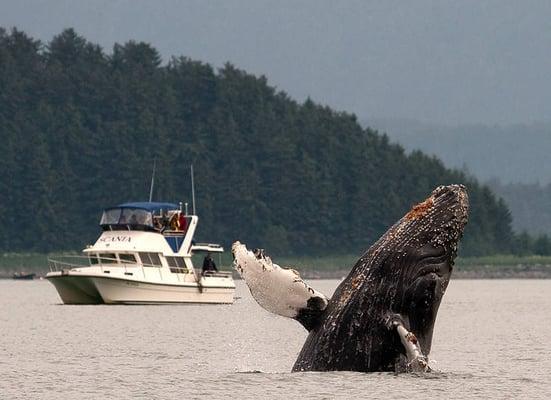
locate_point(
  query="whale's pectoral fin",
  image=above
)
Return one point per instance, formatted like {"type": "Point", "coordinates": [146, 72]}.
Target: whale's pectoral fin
{"type": "Point", "coordinates": [416, 360]}
{"type": "Point", "coordinates": [278, 290]}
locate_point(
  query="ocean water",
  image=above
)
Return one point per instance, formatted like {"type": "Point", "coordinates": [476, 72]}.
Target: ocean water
{"type": "Point", "coordinates": [491, 340]}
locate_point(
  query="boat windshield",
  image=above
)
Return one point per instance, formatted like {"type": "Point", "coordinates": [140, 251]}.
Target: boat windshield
{"type": "Point", "coordinates": [127, 216]}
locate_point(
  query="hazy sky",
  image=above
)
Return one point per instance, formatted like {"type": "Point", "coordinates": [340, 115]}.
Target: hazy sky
{"type": "Point", "coordinates": [439, 61]}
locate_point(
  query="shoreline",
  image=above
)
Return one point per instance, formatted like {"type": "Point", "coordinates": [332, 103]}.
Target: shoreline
{"type": "Point", "coordinates": [472, 272]}
{"type": "Point", "coordinates": [334, 267]}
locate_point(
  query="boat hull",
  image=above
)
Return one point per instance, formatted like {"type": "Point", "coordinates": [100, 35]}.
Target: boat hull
{"type": "Point", "coordinates": [81, 289]}
{"type": "Point", "coordinates": [74, 289]}
{"type": "Point", "coordinates": [120, 291]}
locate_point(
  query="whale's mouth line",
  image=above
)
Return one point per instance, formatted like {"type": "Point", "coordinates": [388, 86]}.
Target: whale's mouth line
{"type": "Point", "coordinates": [437, 269]}
{"type": "Point", "coordinates": [432, 273]}
{"type": "Point", "coordinates": [435, 265]}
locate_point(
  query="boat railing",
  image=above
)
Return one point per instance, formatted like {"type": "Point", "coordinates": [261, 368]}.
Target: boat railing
{"type": "Point", "coordinates": [61, 263]}
{"type": "Point", "coordinates": [106, 264]}
{"type": "Point", "coordinates": [217, 274]}
{"type": "Point", "coordinates": [214, 245]}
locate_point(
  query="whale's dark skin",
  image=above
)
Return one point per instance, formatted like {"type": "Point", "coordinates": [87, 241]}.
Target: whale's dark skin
{"type": "Point", "coordinates": [400, 279]}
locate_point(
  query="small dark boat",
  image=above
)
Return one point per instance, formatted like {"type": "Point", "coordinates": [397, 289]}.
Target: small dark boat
{"type": "Point", "coordinates": [23, 275]}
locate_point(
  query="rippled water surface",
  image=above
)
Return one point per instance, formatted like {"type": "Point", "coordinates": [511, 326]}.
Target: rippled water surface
{"type": "Point", "coordinates": [490, 341]}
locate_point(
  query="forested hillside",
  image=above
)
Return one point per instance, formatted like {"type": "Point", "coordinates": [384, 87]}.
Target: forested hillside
{"type": "Point", "coordinates": [80, 129]}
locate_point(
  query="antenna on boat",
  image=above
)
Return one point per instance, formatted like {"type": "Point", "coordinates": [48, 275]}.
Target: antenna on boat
{"type": "Point", "coordinates": [192, 191]}
{"type": "Point", "coordinates": [152, 181]}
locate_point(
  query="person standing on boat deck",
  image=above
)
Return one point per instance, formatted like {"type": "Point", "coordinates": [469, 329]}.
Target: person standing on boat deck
{"type": "Point", "coordinates": [182, 222]}
{"type": "Point", "coordinates": [164, 220]}
{"type": "Point", "coordinates": [157, 223]}
{"type": "Point", "coordinates": [209, 265]}
{"type": "Point", "coordinates": [174, 222]}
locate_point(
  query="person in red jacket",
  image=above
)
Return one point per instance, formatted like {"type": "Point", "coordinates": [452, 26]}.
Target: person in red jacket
{"type": "Point", "coordinates": [182, 222]}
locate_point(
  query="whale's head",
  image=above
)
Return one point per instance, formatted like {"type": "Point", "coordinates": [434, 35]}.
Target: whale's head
{"type": "Point", "coordinates": [422, 249]}
{"type": "Point", "coordinates": [406, 272]}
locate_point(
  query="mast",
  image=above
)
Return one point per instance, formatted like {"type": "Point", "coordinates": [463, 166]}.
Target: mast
{"type": "Point", "coordinates": [152, 180]}
{"type": "Point", "coordinates": [192, 191]}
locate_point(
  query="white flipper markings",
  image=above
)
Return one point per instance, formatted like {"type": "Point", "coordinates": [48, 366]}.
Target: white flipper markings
{"type": "Point", "coordinates": [278, 290]}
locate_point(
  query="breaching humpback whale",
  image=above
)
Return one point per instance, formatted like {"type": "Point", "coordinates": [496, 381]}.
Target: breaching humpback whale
{"type": "Point", "coordinates": [381, 317]}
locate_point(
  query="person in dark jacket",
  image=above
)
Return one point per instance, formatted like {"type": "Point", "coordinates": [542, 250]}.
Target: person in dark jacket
{"type": "Point", "coordinates": [208, 264]}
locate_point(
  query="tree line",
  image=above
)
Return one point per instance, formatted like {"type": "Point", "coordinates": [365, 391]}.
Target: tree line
{"type": "Point", "coordinates": [530, 204]}
{"type": "Point", "coordinates": [80, 129]}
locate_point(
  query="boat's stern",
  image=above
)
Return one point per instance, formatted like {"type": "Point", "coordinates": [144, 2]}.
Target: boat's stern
{"type": "Point", "coordinates": [218, 287]}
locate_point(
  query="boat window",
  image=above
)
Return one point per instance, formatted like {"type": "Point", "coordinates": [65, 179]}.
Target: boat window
{"type": "Point", "coordinates": [155, 259]}
{"type": "Point", "coordinates": [171, 261]}
{"type": "Point", "coordinates": [108, 258]}
{"type": "Point", "coordinates": [145, 258]}
{"type": "Point", "coordinates": [127, 258]}
{"type": "Point", "coordinates": [110, 217]}
{"type": "Point", "coordinates": [150, 259]}
{"type": "Point", "coordinates": [175, 261]}
{"type": "Point", "coordinates": [127, 216]}
{"type": "Point", "coordinates": [93, 259]}
{"type": "Point", "coordinates": [177, 264]}
{"type": "Point", "coordinates": [133, 216]}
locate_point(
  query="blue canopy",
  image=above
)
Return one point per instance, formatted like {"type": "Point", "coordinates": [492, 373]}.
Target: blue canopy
{"type": "Point", "coordinates": [150, 206]}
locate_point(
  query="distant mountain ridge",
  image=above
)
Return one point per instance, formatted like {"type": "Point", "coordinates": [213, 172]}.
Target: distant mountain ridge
{"type": "Point", "coordinates": [511, 153]}
{"type": "Point", "coordinates": [515, 160]}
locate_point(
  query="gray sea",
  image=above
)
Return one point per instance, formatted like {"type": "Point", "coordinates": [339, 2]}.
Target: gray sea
{"type": "Point", "coordinates": [491, 341]}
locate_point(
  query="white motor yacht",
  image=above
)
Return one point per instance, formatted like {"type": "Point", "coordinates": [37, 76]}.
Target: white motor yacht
{"type": "Point", "coordinates": [143, 256]}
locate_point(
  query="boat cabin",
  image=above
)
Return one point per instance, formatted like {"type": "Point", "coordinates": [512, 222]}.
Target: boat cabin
{"type": "Point", "coordinates": [128, 227]}
{"type": "Point", "coordinates": [176, 263]}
